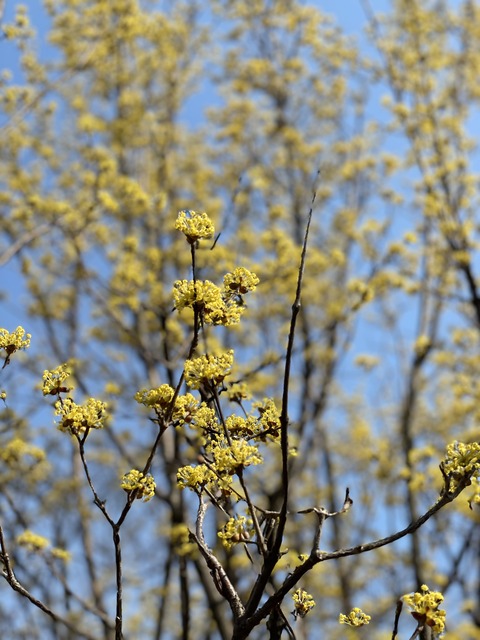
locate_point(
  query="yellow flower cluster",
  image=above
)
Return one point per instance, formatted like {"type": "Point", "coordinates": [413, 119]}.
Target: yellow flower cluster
{"type": "Point", "coordinates": [76, 419]}
{"type": "Point", "coordinates": [17, 449]}
{"type": "Point", "coordinates": [14, 341]}
{"type": "Point", "coordinates": [217, 306]}
{"type": "Point", "coordinates": [356, 618]}
{"type": "Point", "coordinates": [208, 369]}
{"type": "Point", "coordinates": [240, 281]}
{"type": "Point", "coordinates": [209, 301]}
{"type": "Point", "coordinates": [32, 541]}
{"type": "Point", "coordinates": [144, 485]}
{"type": "Point", "coordinates": [36, 543]}
{"type": "Point", "coordinates": [425, 609]}
{"type": "Point", "coordinates": [230, 457]}
{"type": "Point", "coordinates": [461, 461]}
{"type": "Point", "coordinates": [160, 399]}
{"type": "Point", "coordinates": [194, 226]}
{"type": "Point", "coordinates": [303, 601]}
{"type": "Point", "coordinates": [200, 477]}
{"type": "Point", "coordinates": [237, 529]}
{"type": "Point", "coordinates": [53, 379]}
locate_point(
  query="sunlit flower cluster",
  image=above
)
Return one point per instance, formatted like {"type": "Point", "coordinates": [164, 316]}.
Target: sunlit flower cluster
{"type": "Point", "coordinates": [14, 341]}
{"type": "Point", "coordinates": [143, 485]}
{"type": "Point", "coordinates": [237, 529]}
{"type": "Point", "coordinates": [461, 461]}
{"type": "Point", "coordinates": [424, 608]}
{"type": "Point", "coordinates": [76, 419]}
{"type": "Point", "coordinates": [208, 369]}
{"type": "Point", "coordinates": [36, 543]}
{"type": "Point", "coordinates": [53, 379]}
{"type": "Point", "coordinates": [356, 618]}
{"type": "Point", "coordinates": [304, 603]}
{"type": "Point", "coordinates": [230, 457]}
{"type": "Point", "coordinates": [194, 226]}
{"type": "Point", "coordinates": [32, 541]}
{"type": "Point", "coordinates": [217, 306]}
{"type": "Point", "coordinates": [201, 477]}
{"type": "Point", "coordinates": [160, 400]}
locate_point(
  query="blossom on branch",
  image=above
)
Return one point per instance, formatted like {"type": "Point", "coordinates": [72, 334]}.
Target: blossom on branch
{"type": "Point", "coordinates": [76, 419]}
{"type": "Point", "coordinates": [194, 226]}
{"type": "Point", "coordinates": [143, 485]}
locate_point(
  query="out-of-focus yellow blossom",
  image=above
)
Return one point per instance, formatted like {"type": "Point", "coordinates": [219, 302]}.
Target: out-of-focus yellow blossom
{"type": "Point", "coordinates": [356, 618]}
{"type": "Point", "coordinates": [144, 485]}
{"type": "Point", "coordinates": [238, 391]}
{"type": "Point", "coordinates": [303, 601]}
{"type": "Point", "coordinates": [17, 449]}
{"type": "Point", "coordinates": [237, 529]}
{"type": "Point", "coordinates": [208, 369]}
{"type": "Point", "coordinates": [32, 541]}
{"type": "Point", "coordinates": [424, 608]}
{"type": "Point", "coordinates": [52, 380]}
{"type": "Point", "coordinates": [422, 344]}
{"type": "Point", "coordinates": [194, 225]}
{"type": "Point", "coordinates": [76, 418]}
{"type": "Point", "coordinates": [230, 457]}
{"type": "Point", "coordinates": [61, 554]}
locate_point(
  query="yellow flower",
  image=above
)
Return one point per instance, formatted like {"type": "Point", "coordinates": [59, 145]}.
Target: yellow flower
{"type": "Point", "coordinates": [52, 380]}
{"type": "Point", "coordinates": [304, 602]}
{"type": "Point", "coordinates": [143, 485]}
{"type": "Point", "coordinates": [14, 341]}
{"type": "Point", "coordinates": [356, 618]}
{"type": "Point", "coordinates": [208, 369]}
{"type": "Point", "coordinates": [76, 419]}
{"type": "Point", "coordinates": [424, 608]}
{"type": "Point", "coordinates": [237, 529]}
{"type": "Point", "coordinates": [194, 225]}
{"type": "Point", "coordinates": [32, 541]}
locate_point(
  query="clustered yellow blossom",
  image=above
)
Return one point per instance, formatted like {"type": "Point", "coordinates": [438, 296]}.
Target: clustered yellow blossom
{"type": "Point", "coordinates": [144, 485]}
{"type": "Point", "coordinates": [14, 341]}
{"type": "Point", "coordinates": [194, 225]}
{"type": "Point", "coordinates": [230, 457]}
{"type": "Point", "coordinates": [160, 400]}
{"type": "Point", "coordinates": [77, 418]}
{"type": "Point", "coordinates": [53, 379]}
{"type": "Point", "coordinates": [208, 369]}
{"type": "Point", "coordinates": [356, 618]}
{"type": "Point", "coordinates": [240, 281]}
{"type": "Point", "coordinates": [303, 601]}
{"type": "Point", "coordinates": [32, 541]}
{"type": "Point", "coordinates": [237, 529]}
{"type": "Point", "coordinates": [35, 543]}
{"type": "Point", "coordinates": [181, 541]}
{"type": "Point", "coordinates": [201, 476]}
{"type": "Point", "coordinates": [217, 306]}
{"type": "Point", "coordinates": [424, 608]}
{"type": "Point", "coordinates": [461, 461]}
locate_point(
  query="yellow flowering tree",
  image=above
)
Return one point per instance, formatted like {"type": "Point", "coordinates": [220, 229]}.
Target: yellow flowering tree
{"type": "Point", "coordinates": [285, 370]}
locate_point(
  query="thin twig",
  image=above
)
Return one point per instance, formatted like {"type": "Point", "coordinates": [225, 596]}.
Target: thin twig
{"type": "Point", "coordinates": [10, 577]}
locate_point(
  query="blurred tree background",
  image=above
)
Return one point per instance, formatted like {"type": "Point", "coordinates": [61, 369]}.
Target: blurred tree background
{"type": "Point", "coordinates": [125, 112]}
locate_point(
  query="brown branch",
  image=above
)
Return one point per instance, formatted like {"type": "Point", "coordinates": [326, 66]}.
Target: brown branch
{"type": "Point", "coordinates": [10, 577]}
